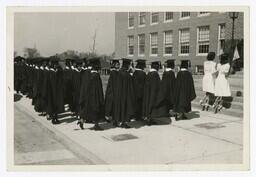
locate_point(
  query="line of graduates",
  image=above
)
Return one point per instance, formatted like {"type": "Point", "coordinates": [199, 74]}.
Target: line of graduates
{"type": "Point", "coordinates": [131, 93]}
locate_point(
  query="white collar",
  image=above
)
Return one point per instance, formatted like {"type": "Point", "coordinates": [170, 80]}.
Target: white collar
{"type": "Point", "coordinates": [84, 68]}
{"type": "Point", "coordinates": [67, 67]}
{"type": "Point", "coordinates": [41, 67]}
{"type": "Point", "coordinates": [47, 68]}
{"type": "Point", "coordinates": [89, 67]}
{"type": "Point", "coordinates": [94, 71]}
{"type": "Point", "coordinates": [138, 69]}
{"type": "Point", "coordinates": [76, 69]}
{"type": "Point", "coordinates": [36, 67]}
{"type": "Point", "coordinates": [168, 69]}
{"type": "Point", "coordinates": [51, 69]}
{"type": "Point", "coordinates": [152, 70]}
{"type": "Point", "coordinates": [113, 69]}
{"type": "Point", "coordinates": [183, 69]}
{"type": "Point", "coordinates": [72, 67]}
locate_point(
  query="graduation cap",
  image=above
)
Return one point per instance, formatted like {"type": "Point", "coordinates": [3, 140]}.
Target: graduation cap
{"type": "Point", "coordinates": [156, 65]}
{"type": "Point", "coordinates": [54, 60]}
{"type": "Point", "coordinates": [224, 58]}
{"type": "Point", "coordinates": [79, 61]}
{"type": "Point", "coordinates": [95, 63]}
{"type": "Point", "coordinates": [185, 64]}
{"type": "Point", "coordinates": [141, 64]}
{"type": "Point", "coordinates": [126, 62]}
{"type": "Point", "coordinates": [211, 56]}
{"type": "Point", "coordinates": [170, 63]}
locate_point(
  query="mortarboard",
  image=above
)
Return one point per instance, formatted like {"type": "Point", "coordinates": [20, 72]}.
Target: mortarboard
{"type": "Point", "coordinates": [170, 63]}
{"type": "Point", "coordinates": [185, 64]}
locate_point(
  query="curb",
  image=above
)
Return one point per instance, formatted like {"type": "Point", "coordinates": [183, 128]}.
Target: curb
{"type": "Point", "coordinates": [71, 145]}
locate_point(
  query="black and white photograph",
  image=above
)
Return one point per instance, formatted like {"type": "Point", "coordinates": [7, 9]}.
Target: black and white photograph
{"type": "Point", "coordinates": [136, 87]}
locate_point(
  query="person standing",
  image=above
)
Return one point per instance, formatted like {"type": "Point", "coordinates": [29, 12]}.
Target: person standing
{"type": "Point", "coordinates": [184, 91]}
{"type": "Point", "coordinates": [68, 86]}
{"type": "Point", "coordinates": [112, 94]}
{"type": "Point", "coordinates": [222, 87]}
{"type": "Point", "coordinates": [208, 80]}
{"type": "Point", "coordinates": [139, 77]}
{"type": "Point", "coordinates": [168, 84]}
{"type": "Point", "coordinates": [95, 98]}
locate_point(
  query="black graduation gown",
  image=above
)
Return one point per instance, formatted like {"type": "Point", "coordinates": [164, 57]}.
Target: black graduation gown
{"type": "Point", "coordinates": [113, 96]}
{"type": "Point", "coordinates": [76, 80]}
{"type": "Point", "coordinates": [24, 79]}
{"type": "Point", "coordinates": [55, 101]}
{"type": "Point", "coordinates": [168, 86]}
{"type": "Point", "coordinates": [127, 97]}
{"type": "Point", "coordinates": [40, 102]}
{"type": "Point", "coordinates": [139, 78]}
{"type": "Point", "coordinates": [95, 98]}
{"type": "Point", "coordinates": [68, 86]}
{"type": "Point", "coordinates": [184, 92]}
{"type": "Point", "coordinates": [153, 105]}
{"type": "Point", "coordinates": [83, 104]}
{"type": "Point", "coordinates": [35, 85]}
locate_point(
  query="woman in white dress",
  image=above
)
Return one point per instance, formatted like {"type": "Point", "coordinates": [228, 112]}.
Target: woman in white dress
{"type": "Point", "coordinates": [208, 80]}
{"type": "Point", "coordinates": [222, 87]}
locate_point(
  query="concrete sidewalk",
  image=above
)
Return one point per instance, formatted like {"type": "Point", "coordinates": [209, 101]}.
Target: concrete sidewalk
{"type": "Point", "coordinates": [205, 138]}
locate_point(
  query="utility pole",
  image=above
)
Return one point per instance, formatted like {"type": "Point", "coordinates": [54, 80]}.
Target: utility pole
{"type": "Point", "coordinates": [94, 42]}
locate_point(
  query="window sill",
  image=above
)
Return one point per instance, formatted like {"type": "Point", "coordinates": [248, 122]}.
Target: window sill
{"type": "Point", "coordinates": [183, 55]}
{"type": "Point", "coordinates": [153, 23]}
{"type": "Point", "coordinates": [140, 26]}
{"type": "Point", "coordinates": [131, 27]}
{"type": "Point", "coordinates": [168, 21]}
{"type": "Point", "coordinates": [153, 55]}
{"type": "Point", "coordinates": [203, 15]}
{"type": "Point", "coordinates": [141, 55]}
{"type": "Point", "coordinates": [167, 55]}
{"type": "Point", "coordinates": [184, 18]}
{"type": "Point", "coordinates": [201, 54]}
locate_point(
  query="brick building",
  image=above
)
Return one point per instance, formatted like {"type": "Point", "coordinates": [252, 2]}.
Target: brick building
{"type": "Point", "coordinates": [174, 35]}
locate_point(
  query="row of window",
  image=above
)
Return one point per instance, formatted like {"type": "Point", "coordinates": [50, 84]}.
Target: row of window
{"type": "Point", "coordinates": [154, 17]}
{"type": "Point", "coordinates": [203, 42]}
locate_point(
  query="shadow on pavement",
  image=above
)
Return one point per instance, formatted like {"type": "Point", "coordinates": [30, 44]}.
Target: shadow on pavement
{"type": "Point", "coordinates": [17, 97]}
{"type": "Point", "coordinates": [193, 115]}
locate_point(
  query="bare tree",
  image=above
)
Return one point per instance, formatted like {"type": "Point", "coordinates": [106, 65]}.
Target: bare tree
{"type": "Point", "coordinates": [94, 42]}
{"type": "Point", "coordinates": [31, 53]}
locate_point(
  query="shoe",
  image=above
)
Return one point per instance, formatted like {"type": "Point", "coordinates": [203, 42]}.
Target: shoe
{"type": "Point", "coordinates": [97, 128]}
{"type": "Point", "coordinates": [125, 125]}
{"type": "Point", "coordinates": [81, 125]}
{"type": "Point", "coordinates": [151, 122]}
{"type": "Point", "coordinates": [57, 121]}
{"type": "Point", "coordinates": [203, 108]}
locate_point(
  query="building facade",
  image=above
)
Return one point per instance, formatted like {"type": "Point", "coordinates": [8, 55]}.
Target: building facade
{"type": "Point", "coordinates": [173, 35]}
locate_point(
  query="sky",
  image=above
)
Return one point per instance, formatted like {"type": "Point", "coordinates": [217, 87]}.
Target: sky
{"type": "Point", "coordinates": [53, 33]}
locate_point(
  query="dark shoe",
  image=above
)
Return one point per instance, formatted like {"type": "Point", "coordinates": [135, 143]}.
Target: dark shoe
{"type": "Point", "coordinates": [81, 125]}
{"type": "Point", "coordinates": [57, 121]}
{"type": "Point", "coordinates": [125, 125]}
{"type": "Point", "coordinates": [115, 124]}
{"type": "Point", "coordinates": [97, 128]}
{"type": "Point", "coordinates": [151, 122]}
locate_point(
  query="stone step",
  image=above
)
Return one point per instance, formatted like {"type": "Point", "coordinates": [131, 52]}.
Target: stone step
{"type": "Point", "coordinates": [227, 103]}
{"type": "Point", "coordinates": [230, 112]}
{"type": "Point", "coordinates": [234, 82]}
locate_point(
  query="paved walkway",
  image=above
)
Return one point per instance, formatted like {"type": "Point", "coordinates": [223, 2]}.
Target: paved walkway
{"type": "Point", "coordinates": [205, 138]}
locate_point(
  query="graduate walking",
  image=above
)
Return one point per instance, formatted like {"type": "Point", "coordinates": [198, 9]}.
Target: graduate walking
{"type": "Point", "coordinates": [184, 91]}
{"type": "Point", "coordinates": [112, 94]}
{"type": "Point", "coordinates": [94, 103]}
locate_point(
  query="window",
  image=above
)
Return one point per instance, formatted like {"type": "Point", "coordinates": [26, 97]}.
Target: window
{"type": "Point", "coordinates": [185, 15]}
{"type": "Point", "coordinates": [203, 39]}
{"type": "Point", "coordinates": [130, 20]}
{"type": "Point", "coordinates": [154, 17]}
{"type": "Point", "coordinates": [184, 36]}
{"type": "Point", "coordinates": [130, 45]}
{"type": "Point", "coordinates": [221, 38]}
{"type": "Point", "coordinates": [168, 16]}
{"type": "Point", "coordinates": [153, 44]}
{"type": "Point", "coordinates": [142, 18]}
{"type": "Point", "coordinates": [141, 39]}
{"type": "Point", "coordinates": [168, 43]}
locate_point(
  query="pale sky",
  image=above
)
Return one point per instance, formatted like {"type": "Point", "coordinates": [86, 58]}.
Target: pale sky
{"type": "Point", "coordinates": [53, 33]}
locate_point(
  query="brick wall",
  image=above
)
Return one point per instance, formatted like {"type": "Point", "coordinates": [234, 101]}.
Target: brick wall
{"type": "Point", "coordinates": [213, 20]}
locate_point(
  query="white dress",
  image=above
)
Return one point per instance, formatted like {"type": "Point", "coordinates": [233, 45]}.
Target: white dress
{"type": "Point", "coordinates": [208, 79]}
{"type": "Point", "coordinates": [222, 87]}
